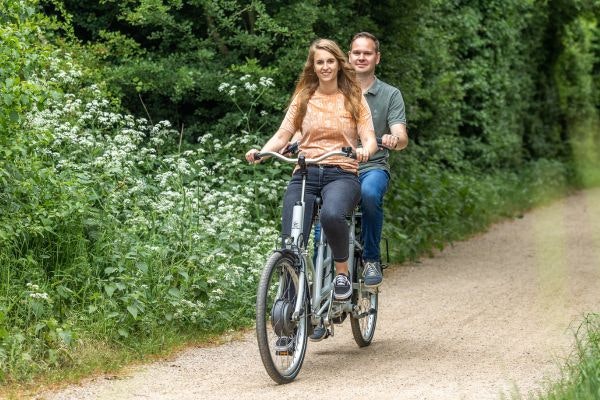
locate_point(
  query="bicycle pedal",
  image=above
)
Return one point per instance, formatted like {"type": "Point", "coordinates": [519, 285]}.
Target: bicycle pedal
{"type": "Point", "coordinates": [371, 311]}
{"type": "Point", "coordinates": [284, 346]}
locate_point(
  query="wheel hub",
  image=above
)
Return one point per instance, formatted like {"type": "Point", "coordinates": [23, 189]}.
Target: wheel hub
{"type": "Point", "coordinates": [281, 318]}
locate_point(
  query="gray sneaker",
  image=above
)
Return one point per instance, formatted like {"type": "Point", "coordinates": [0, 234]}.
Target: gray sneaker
{"type": "Point", "coordinates": [342, 287]}
{"type": "Point", "coordinates": [372, 274]}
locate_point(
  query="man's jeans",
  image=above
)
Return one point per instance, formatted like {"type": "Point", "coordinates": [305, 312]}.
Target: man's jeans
{"type": "Point", "coordinates": [374, 184]}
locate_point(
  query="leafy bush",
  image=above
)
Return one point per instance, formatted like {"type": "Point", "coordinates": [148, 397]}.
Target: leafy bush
{"type": "Point", "coordinates": [121, 229]}
{"type": "Point", "coordinates": [433, 201]}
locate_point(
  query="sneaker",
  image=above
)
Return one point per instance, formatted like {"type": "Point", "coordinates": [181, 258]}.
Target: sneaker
{"type": "Point", "coordinates": [319, 333]}
{"type": "Point", "coordinates": [372, 274]}
{"type": "Point", "coordinates": [342, 288]}
{"type": "Point", "coordinates": [284, 346]}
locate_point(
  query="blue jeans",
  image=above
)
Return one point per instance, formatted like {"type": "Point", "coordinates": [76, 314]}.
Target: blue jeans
{"type": "Point", "coordinates": [340, 193]}
{"type": "Point", "coordinates": [373, 184]}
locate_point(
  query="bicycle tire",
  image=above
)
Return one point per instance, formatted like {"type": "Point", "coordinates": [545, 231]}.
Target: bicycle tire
{"type": "Point", "coordinates": [276, 295]}
{"type": "Point", "coordinates": [363, 327]}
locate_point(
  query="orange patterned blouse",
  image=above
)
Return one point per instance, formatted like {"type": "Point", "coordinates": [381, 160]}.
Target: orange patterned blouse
{"type": "Point", "coordinates": [328, 126]}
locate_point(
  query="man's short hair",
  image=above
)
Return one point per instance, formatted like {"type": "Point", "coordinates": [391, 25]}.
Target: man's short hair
{"type": "Point", "coordinates": [368, 36]}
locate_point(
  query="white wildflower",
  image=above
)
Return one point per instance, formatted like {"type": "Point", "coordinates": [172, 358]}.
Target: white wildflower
{"type": "Point", "coordinates": [266, 82]}
{"type": "Point", "coordinates": [223, 86]}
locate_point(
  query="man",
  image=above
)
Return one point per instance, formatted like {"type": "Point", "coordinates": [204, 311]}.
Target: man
{"type": "Point", "coordinates": [389, 119]}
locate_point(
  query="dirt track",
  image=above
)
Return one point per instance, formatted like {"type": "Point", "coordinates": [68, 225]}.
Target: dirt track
{"type": "Point", "coordinates": [491, 315]}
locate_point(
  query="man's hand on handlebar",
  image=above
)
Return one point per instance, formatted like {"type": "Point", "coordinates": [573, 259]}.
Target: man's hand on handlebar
{"type": "Point", "coordinates": [390, 141]}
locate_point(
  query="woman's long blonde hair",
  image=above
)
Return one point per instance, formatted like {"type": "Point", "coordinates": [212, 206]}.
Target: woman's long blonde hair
{"type": "Point", "coordinates": [308, 82]}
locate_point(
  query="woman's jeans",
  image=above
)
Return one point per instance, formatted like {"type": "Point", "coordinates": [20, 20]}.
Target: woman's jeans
{"type": "Point", "coordinates": [374, 184]}
{"type": "Point", "coordinates": [340, 192]}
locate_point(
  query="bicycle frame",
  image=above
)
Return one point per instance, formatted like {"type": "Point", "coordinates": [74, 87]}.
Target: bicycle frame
{"type": "Point", "coordinates": [321, 300]}
{"type": "Point", "coordinates": [323, 306]}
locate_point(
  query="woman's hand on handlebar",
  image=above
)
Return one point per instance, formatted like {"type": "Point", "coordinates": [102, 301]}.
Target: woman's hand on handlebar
{"type": "Point", "coordinates": [362, 154]}
{"type": "Point", "coordinates": [251, 156]}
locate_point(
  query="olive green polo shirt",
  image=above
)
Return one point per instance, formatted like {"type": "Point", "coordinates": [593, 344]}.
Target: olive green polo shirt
{"type": "Point", "coordinates": [387, 109]}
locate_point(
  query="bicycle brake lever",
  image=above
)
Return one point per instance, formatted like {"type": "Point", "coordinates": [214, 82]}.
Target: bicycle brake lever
{"type": "Point", "coordinates": [349, 152]}
{"type": "Point", "coordinates": [291, 148]}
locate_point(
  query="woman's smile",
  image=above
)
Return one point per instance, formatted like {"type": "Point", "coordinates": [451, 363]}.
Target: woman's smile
{"type": "Point", "coordinates": [326, 65]}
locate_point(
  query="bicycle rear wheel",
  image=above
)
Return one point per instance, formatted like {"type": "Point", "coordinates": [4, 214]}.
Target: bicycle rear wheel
{"type": "Point", "coordinates": [281, 340]}
{"type": "Point", "coordinates": [364, 321]}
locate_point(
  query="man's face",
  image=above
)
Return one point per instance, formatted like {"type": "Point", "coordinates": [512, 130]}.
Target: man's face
{"type": "Point", "coordinates": [363, 56]}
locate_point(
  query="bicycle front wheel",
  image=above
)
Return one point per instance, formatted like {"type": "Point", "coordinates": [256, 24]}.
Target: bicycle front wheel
{"type": "Point", "coordinates": [363, 322]}
{"type": "Point", "coordinates": [281, 339]}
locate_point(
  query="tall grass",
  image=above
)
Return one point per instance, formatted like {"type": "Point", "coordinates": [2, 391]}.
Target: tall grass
{"type": "Point", "coordinates": [580, 378]}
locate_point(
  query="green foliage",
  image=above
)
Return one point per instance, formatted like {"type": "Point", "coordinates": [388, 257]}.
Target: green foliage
{"type": "Point", "coordinates": [21, 56]}
{"type": "Point", "coordinates": [490, 74]}
{"type": "Point", "coordinates": [127, 232]}
{"type": "Point", "coordinates": [113, 228]}
{"type": "Point", "coordinates": [574, 74]}
{"type": "Point", "coordinates": [431, 205]}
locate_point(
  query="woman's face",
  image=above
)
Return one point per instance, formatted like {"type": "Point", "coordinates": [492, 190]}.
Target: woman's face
{"type": "Point", "coordinates": [326, 66]}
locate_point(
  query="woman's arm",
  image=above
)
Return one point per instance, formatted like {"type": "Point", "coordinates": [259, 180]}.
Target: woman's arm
{"type": "Point", "coordinates": [281, 138]}
{"type": "Point", "coordinates": [366, 132]}
{"type": "Point", "coordinates": [278, 141]}
{"type": "Point", "coordinates": [369, 142]}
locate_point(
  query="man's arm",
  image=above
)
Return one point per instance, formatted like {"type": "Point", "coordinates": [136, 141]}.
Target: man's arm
{"type": "Point", "coordinates": [397, 139]}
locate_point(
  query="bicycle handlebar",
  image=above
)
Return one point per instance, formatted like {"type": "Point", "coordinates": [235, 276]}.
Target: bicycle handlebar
{"type": "Point", "coordinates": [345, 151]}
{"type": "Point", "coordinates": [293, 147]}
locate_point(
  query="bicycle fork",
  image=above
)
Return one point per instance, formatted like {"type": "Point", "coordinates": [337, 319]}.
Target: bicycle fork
{"type": "Point", "coordinates": [296, 237]}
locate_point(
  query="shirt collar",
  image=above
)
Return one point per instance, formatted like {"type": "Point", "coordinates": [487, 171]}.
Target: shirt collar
{"type": "Point", "coordinates": [374, 87]}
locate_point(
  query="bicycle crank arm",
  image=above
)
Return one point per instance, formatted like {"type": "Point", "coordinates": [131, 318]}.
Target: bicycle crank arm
{"type": "Point", "coordinates": [372, 311]}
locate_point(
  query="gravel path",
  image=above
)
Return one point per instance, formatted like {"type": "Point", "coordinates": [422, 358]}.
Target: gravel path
{"type": "Point", "coordinates": [489, 316]}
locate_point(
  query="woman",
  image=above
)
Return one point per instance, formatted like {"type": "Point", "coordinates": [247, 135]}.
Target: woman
{"type": "Point", "coordinates": [329, 110]}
